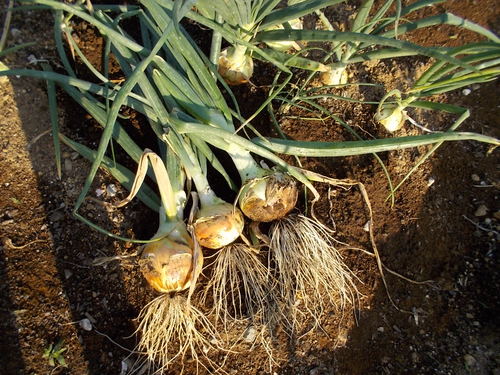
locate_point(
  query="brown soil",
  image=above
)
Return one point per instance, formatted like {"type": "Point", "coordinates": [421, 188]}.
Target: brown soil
{"type": "Point", "coordinates": [434, 232]}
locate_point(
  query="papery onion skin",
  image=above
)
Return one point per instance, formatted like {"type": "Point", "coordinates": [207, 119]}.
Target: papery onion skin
{"type": "Point", "coordinates": [218, 225]}
{"type": "Point", "coordinates": [235, 70]}
{"type": "Point", "coordinates": [391, 117]}
{"type": "Point", "coordinates": [167, 265]}
{"type": "Point", "coordinates": [269, 198]}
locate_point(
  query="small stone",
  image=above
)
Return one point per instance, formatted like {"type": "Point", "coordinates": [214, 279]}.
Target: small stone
{"type": "Point", "coordinates": [476, 323]}
{"type": "Point", "coordinates": [475, 177]}
{"type": "Point", "coordinates": [482, 210]}
{"type": "Point", "coordinates": [12, 213]}
{"type": "Point", "coordinates": [56, 216]}
{"type": "Point", "coordinates": [16, 33]}
{"type": "Point", "coordinates": [124, 367]}
{"type": "Point", "coordinates": [430, 181]}
{"type": "Point", "coordinates": [366, 227]}
{"type": "Point", "coordinates": [86, 325]}
{"type": "Point", "coordinates": [68, 165]}
{"type": "Point", "coordinates": [99, 192]}
{"type": "Point", "coordinates": [314, 371]}
{"type": "Point", "coordinates": [249, 334]}
{"type": "Point", "coordinates": [380, 329]}
{"type": "Point", "coordinates": [32, 59]}
{"type": "Point", "coordinates": [67, 274]}
{"type": "Point", "coordinates": [469, 316]}
{"type": "Point", "coordinates": [111, 190]}
{"type": "Point", "coordinates": [414, 357]}
{"type": "Point", "coordinates": [470, 361]}
{"type": "Point", "coordinates": [496, 215]}
{"type": "Point", "coordinates": [466, 91]}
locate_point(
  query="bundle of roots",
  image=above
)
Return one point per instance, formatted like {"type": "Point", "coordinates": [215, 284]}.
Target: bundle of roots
{"type": "Point", "coordinates": [309, 269]}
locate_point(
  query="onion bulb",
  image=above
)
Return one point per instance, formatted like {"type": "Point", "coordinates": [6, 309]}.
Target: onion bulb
{"type": "Point", "coordinates": [334, 75]}
{"type": "Point", "coordinates": [218, 225]}
{"type": "Point", "coordinates": [285, 45]}
{"type": "Point", "coordinates": [235, 66]}
{"type": "Point", "coordinates": [268, 198]}
{"type": "Point", "coordinates": [167, 264]}
{"type": "Point", "coordinates": [392, 117]}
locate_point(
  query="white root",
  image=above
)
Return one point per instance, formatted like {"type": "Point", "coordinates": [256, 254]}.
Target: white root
{"type": "Point", "coordinates": [241, 287]}
{"type": "Point", "coordinates": [170, 329]}
{"type": "Point", "coordinates": [309, 269]}
{"type": "Point", "coordinates": [243, 293]}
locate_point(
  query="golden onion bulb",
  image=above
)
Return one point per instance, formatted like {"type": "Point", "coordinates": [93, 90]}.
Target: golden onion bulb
{"type": "Point", "coordinates": [268, 198]}
{"type": "Point", "coordinates": [391, 117]}
{"type": "Point", "coordinates": [167, 265]}
{"type": "Point", "coordinates": [218, 225]}
{"type": "Point", "coordinates": [334, 75]}
{"type": "Point", "coordinates": [235, 67]}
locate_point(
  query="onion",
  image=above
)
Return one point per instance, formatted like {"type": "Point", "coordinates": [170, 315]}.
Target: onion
{"type": "Point", "coordinates": [235, 66]}
{"type": "Point", "coordinates": [335, 74]}
{"type": "Point", "coordinates": [268, 198]}
{"type": "Point", "coordinates": [167, 264]}
{"type": "Point", "coordinates": [218, 225]}
{"type": "Point", "coordinates": [392, 117]}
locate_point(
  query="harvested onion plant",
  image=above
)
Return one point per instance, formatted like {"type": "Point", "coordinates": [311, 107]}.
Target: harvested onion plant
{"type": "Point", "coordinates": [440, 77]}
{"type": "Point", "coordinates": [288, 275]}
{"type": "Point", "coordinates": [170, 326]}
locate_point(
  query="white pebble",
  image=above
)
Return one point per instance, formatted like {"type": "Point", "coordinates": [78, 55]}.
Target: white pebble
{"type": "Point", "coordinates": [249, 334]}
{"type": "Point", "coordinates": [466, 91]}
{"type": "Point", "coordinates": [366, 227]}
{"type": "Point", "coordinates": [482, 210]}
{"type": "Point", "coordinates": [67, 274]}
{"type": "Point", "coordinates": [86, 325]}
{"type": "Point", "coordinates": [111, 190]}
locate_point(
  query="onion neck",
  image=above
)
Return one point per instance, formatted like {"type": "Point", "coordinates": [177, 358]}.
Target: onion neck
{"type": "Point", "coordinates": [237, 56]}
{"type": "Point", "coordinates": [245, 163]}
{"type": "Point", "coordinates": [206, 194]}
{"type": "Point", "coordinates": [173, 228]}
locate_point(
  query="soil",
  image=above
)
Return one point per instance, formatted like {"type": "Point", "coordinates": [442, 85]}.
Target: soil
{"type": "Point", "coordinates": [443, 227]}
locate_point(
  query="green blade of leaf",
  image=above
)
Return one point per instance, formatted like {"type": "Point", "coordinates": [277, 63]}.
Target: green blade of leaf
{"type": "Point", "coordinates": [349, 148]}
{"type": "Point", "coordinates": [54, 121]}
